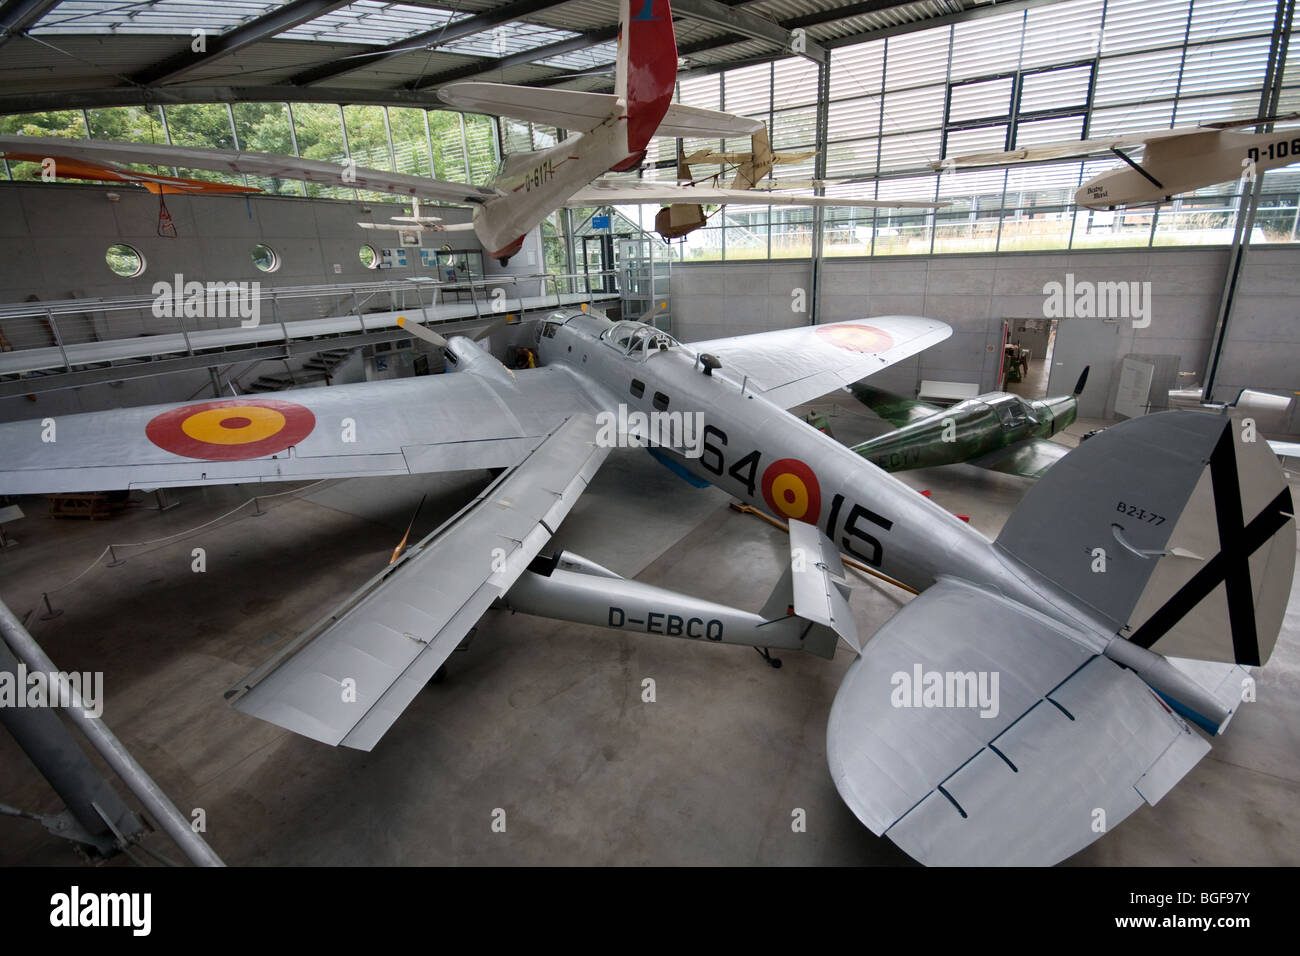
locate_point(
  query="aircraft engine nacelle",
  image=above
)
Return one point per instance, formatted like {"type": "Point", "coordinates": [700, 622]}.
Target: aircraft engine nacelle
{"type": "Point", "coordinates": [465, 355]}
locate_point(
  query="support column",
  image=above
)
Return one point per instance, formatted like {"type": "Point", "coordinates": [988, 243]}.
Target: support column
{"type": "Point", "coordinates": [819, 174]}
{"type": "Point", "coordinates": [1268, 105]}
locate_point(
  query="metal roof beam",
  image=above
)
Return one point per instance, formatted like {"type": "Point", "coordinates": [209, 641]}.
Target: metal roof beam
{"type": "Point", "coordinates": [487, 66]}
{"type": "Point", "coordinates": [750, 26]}
{"type": "Point", "coordinates": [429, 40]}
{"type": "Point", "coordinates": [99, 97]}
{"type": "Point", "coordinates": [268, 25]}
{"type": "Point", "coordinates": [18, 15]}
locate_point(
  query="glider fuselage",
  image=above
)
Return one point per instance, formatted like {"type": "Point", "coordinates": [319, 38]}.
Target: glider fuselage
{"type": "Point", "coordinates": [539, 182]}
{"type": "Point", "coordinates": [1181, 164]}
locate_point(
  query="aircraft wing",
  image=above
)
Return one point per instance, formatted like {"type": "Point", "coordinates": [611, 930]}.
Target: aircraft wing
{"type": "Point", "coordinates": [582, 112]}
{"type": "Point", "coordinates": [1285, 449]}
{"type": "Point", "coordinates": [347, 679]}
{"type": "Point", "coordinates": [793, 366]}
{"type": "Point", "coordinates": [1028, 459]}
{"type": "Point", "coordinates": [616, 192]}
{"type": "Point", "coordinates": [254, 164]}
{"type": "Point", "coordinates": [449, 422]}
{"type": "Point", "coordinates": [1064, 150]}
{"type": "Point", "coordinates": [1025, 772]}
{"type": "Point", "coordinates": [895, 409]}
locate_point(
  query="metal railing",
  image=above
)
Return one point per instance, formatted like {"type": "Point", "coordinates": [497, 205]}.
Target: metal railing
{"type": "Point", "coordinates": [61, 324]}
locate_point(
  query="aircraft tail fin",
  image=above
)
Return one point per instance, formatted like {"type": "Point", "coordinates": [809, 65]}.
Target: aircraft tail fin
{"type": "Point", "coordinates": [1175, 528]}
{"type": "Point", "coordinates": [646, 70]}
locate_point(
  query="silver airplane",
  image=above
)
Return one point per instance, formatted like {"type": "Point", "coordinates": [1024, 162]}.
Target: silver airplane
{"type": "Point", "coordinates": [1011, 713]}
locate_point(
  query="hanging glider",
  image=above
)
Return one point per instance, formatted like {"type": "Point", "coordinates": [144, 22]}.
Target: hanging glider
{"type": "Point", "coordinates": [1174, 161]}
{"type": "Point", "coordinates": [611, 133]}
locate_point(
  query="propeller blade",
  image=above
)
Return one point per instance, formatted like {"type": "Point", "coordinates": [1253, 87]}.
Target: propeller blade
{"type": "Point", "coordinates": [487, 330]}
{"type": "Point", "coordinates": [1083, 380]}
{"type": "Point", "coordinates": [420, 332]}
{"type": "Point", "coordinates": [649, 313]}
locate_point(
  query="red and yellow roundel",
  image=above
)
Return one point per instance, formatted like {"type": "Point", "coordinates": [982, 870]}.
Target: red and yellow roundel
{"type": "Point", "coordinates": [231, 429]}
{"type": "Point", "coordinates": [856, 338]}
{"type": "Point", "coordinates": [790, 488]}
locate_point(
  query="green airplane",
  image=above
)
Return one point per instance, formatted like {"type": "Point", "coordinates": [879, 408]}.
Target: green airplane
{"type": "Point", "coordinates": [997, 430]}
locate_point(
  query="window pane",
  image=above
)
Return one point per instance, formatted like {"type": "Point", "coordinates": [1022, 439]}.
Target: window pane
{"type": "Point", "coordinates": [410, 145]}
{"type": "Point", "coordinates": [264, 128]}
{"type": "Point", "coordinates": [320, 136]}
{"type": "Point", "coordinates": [367, 139]}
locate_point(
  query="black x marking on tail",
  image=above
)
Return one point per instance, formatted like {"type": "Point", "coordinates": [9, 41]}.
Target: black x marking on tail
{"type": "Point", "coordinates": [1237, 542]}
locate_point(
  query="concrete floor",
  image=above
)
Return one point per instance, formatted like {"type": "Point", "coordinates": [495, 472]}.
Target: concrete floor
{"type": "Point", "coordinates": [541, 719]}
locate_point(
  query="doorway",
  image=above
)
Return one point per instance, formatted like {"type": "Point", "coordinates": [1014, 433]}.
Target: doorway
{"type": "Point", "coordinates": [1027, 363]}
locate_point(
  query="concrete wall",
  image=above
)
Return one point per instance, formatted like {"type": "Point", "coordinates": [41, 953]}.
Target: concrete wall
{"type": "Point", "coordinates": [53, 237]}
{"type": "Point", "coordinates": [976, 293]}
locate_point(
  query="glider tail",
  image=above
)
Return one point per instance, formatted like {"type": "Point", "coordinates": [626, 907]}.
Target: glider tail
{"type": "Point", "coordinates": [647, 67]}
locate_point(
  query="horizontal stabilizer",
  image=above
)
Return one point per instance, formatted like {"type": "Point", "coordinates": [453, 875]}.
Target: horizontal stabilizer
{"type": "Point", "coordinates": [821, 589]}
{"type": "Point", "coordinates": [348, 679]}
{"type": "Point", "coordinates": [975, 731]}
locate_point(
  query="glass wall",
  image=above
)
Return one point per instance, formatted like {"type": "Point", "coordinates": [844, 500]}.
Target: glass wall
{"type": "Point", "coordinates": [438, 143]}
{"type": "Point", "coordinates": [1071, 70]}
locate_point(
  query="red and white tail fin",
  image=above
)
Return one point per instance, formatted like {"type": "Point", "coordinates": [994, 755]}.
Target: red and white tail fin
{"type": "Point", "coordinates": [647, 67]}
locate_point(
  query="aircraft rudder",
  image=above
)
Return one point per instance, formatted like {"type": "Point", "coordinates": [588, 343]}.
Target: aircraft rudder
{"type": "Point", "coordinates": [646, 72]}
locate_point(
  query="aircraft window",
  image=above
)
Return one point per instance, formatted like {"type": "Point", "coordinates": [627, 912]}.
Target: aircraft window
{"type": "Point", "coordinates": [661, 401]}
{"type": "Point", "coordinates": [549, 329]}
{"type": "Point", "coordinates": [369, 258]}
{"type": "Point", "coordinates": [638, 388]}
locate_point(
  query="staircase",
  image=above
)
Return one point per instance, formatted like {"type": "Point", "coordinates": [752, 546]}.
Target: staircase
{"type": "Point", "coordinates": [319, 368]}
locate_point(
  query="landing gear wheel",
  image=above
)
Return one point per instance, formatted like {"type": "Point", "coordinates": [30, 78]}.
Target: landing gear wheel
{"type": "Point", "coordinates": [764, 653]}
{"type": "Point", "coordinates": [504, 260]}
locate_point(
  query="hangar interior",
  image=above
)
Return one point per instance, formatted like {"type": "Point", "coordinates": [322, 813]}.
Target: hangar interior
{"type": "Point", "coordinates": [543, 721]}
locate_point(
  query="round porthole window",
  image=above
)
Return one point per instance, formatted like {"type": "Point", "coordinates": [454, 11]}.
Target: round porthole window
{"type": "Point", "coordinates": [265, 258]}
{"type": "Point", "coordinates": [124, 260]}
{"type": "Point", "coordinates": [369, 258]}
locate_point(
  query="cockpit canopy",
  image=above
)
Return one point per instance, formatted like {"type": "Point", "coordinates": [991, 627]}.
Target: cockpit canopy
{"type": "Point", "coordinates": [1012, 410]}
{"type": "Point", "coordinates": [636, 338]}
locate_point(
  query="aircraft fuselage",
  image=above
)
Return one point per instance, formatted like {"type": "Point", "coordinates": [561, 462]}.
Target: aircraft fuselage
{"type": "Point", "coordinates": [968, 430]}
{"type": "Point", "coordinates": [539, 182]}
{"type": "Point", "coordinates": [761, 454]}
